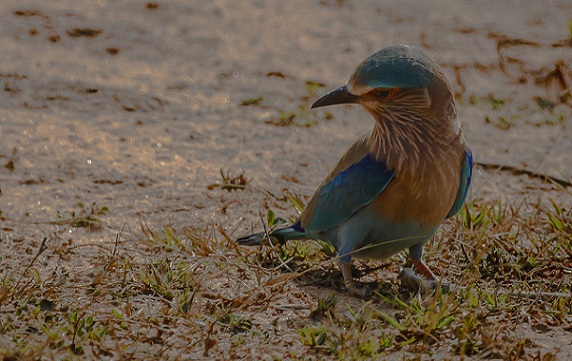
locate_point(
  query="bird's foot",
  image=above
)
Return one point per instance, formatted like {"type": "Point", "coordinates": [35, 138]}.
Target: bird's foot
{"type": "Point", "coordinates": [413, 283]}
{"type": "Point", "coordinates": [423, 269]}
{"type": "Point", "coordinates": [349, 282]}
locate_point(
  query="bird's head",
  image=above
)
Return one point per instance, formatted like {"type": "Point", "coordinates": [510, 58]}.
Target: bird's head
{"type": "Point", "coordinates": [397, 80]}
{"type": "Point", "coordinates": [408, 95]}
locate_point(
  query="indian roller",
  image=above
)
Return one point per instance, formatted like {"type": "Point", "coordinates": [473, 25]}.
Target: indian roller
{"type": "Point", "coordinates": [394, 187]}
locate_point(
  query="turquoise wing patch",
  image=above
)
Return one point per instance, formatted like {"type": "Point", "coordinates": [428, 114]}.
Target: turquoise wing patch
{"type": "Point", "coordinates": [466, 174]}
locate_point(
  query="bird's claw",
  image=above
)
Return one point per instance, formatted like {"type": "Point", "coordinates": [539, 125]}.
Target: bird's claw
{"type": "Point", "coordinates": [413, 283]}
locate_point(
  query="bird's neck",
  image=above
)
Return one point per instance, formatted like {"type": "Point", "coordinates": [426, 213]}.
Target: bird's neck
{"type": "Point", "coordinates": [413, 146]}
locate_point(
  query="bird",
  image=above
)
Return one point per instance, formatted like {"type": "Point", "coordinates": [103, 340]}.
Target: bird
{"type": "Point", "coordinates": [393, 187]}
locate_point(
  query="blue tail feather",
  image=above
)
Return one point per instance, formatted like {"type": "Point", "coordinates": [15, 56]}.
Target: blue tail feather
{"type": "Point", "coordinates": [282, 235]}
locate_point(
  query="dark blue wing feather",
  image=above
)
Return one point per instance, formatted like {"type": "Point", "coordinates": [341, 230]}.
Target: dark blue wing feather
{"type": "Point", "coordinates": [466, 174]}
{"type": "Point", "coordinates": [348, 192]}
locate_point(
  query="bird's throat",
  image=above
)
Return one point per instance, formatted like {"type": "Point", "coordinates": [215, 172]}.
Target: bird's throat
{"type": "Point", "coordinates": [410, 145]}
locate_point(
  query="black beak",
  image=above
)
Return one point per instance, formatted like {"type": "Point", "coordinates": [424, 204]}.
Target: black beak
{"type": "Point", "coordinates": [339, 95]}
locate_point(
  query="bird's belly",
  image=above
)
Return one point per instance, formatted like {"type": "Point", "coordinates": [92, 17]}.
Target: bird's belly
{"type": "Point", "coordinates": [365, 235]}
{"type": "Point", "coordinates": [384, 245]}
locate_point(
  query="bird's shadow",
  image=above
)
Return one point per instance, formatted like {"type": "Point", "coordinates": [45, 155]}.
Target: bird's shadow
{"type": "Point", "coordinates": [330, 277]}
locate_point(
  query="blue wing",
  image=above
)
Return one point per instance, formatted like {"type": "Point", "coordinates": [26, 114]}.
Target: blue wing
{"type": "Point", "coordinates": [348, 192]}
{"type": "Point", "coordinates": [466, 174]}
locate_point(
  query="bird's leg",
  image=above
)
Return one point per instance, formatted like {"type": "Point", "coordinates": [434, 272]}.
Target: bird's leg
{"type": "Point", "coordinates": [423, 269]}
{"type": "Point", "coordinates": [346, 268]}
{"type": "Point", "coordinates": [413, 282]}
{"type": "Point", "coordinates": [416, 284]}
{"type": "Point", "coordinates": [426, 284]}
{"type": "Point", "coordinates": [416, 257]}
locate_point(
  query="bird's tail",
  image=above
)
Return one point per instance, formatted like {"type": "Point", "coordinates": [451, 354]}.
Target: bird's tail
{"type": "Point", "coordinates": [282, 235]}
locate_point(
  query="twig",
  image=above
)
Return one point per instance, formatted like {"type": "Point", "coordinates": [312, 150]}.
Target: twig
{"type": "Point", "coordinates": [40, 251]}
{"type": "Point", "coordinates": [117, 238]}
{"type": "Point", "coordinates": [520, 171]}
{"type": "Point", "coordinates": [270, 241]}
{"type": "Point", "coordinates": [544, 296]}
{"type": "Point", "coordinates": [415, 283]}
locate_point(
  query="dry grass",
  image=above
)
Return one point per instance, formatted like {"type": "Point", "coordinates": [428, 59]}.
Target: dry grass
{"type": "Point", "coordinates": [193, 293]}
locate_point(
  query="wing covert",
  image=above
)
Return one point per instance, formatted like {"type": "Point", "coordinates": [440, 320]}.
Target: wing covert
{"type": "Point", "coordinates": [348, 192]}
{"type": "Point", "coordinates": [466, 175]}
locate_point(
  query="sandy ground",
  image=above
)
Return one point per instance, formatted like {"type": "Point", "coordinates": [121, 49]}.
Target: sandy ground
{"type": "Point", "coordinates": [137, 107]}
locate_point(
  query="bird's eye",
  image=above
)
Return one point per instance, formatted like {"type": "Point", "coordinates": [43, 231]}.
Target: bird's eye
{"type": "Point", "coordinates": [383, 93]}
